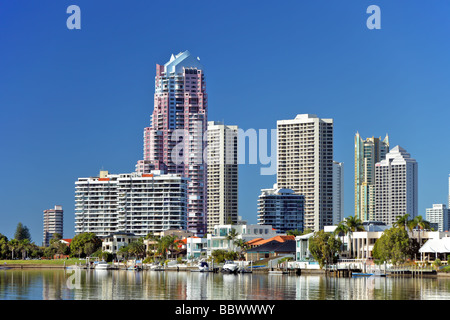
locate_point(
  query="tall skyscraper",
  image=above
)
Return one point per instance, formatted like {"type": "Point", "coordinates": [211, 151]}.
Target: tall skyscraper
{"type": "Point", "coordinates": [305, 165]}
{"type": "Point", "coordinates": [438, 214]}
{"type": "Point", "coordinates": [222, 174]}
{"type": "Point", "coordinates": [283, 209]}
{"type": "Point", "coordinates": [174, 142]}
{"type": "Point", "coordinates": [367, 153]}
{"type": "Point", "coordinates": [139, 203]}
{"type": "Point", "coordinates": [53, 223]}
{"type": "Point", "coordinates": [338, 192]}
{"type": "Point", "coordinates": [396, 186]}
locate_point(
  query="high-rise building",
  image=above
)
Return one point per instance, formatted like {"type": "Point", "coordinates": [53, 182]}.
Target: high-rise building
{"type": "Point", "coordinates": [448, 204]}
{"type": "Point", "coordinates": [139, 203]}
{"type": "Point", "coordinates": [283, 209]}
{"type": "Point", "coordinates": [367, 153]}
{"type": "Point", "coordinates": [338, 192]}
{"type": "Point", "coordinates": [305, 165]}
{"type": "Point", "coordinates": [174, 142]}
{"type": "Point", "coordinates": [53, 223]}
{"type": "Point", "coordinates": [222, 174]}
{"type": "Point", "coordinates": [438, 214]}
{"type": "Point", "coordinates": [396, 186]}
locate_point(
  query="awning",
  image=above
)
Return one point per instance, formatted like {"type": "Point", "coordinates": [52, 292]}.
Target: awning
{"type": "Point", "coordinates": [436, 246]}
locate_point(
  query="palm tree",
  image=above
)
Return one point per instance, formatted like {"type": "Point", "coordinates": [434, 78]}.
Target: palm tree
{"type": "Point", "coordinates": [341, 230]}
{"type": "Point", "coordinates": [25, 247]}
{"type": "Point", "coordinates": [13, 244]}
{"type": "Point", "coordinates": [231, 236]}
{"type": "Point", "coordinates": [243, 245]}
{"type": "Point", "coordinates": [171, 242]}
{"type": "Point", "coordinates": [137, 248]}
{"type": "Point", "coordinates": [165, 244]}
{"type": "Point", "coordinates": [350, 225]}
{"type": "Point", "coordinates": [402, 221]}
{"type": "Point", "coordinates": [422, 224]}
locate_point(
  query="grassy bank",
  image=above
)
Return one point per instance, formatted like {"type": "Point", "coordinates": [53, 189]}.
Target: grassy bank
{"type": "Point", "coordinates": [54, 262]}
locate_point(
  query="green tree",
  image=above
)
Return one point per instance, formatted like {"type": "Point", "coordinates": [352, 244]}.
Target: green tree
{"type": "Point", "coordinates": [422, 224]}
{"type": "Point", "coordinates": [24, 247]}
{"type": "Point", "coordinates": [295, 232]}
{"type": "Point", "coordinates": [137, 248]}
{"type": "Point", "coordinates": [49, 252]}
{"type": "Point", "coordinates": [4, 248]}
{"type": "Point", "coordinates": [22, 232]}
{"type": "Point", "coordinates": [218, 255]}
{"type": "Point", "coordinates": [402, 221]}
{"type": "Point", "coordinates": [324, 247]}
{"type": "Point", "coordinates": [78, 244]}
{"type": "Point", "coordinates": [394, 245]}
{"type": "Point", "coordinates": [14, 246]}
{"type": "Point", "coordinates": [56, 237]}
{"type": "Point", "coordinates": [242, 245]}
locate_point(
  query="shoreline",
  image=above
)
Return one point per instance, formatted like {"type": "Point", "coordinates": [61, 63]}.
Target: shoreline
{"type": "Point", "coordinates": [299, 272]}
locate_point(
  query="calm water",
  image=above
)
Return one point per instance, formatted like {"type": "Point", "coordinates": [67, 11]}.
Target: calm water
{"type": "Point", "coordinates": [154, 285]}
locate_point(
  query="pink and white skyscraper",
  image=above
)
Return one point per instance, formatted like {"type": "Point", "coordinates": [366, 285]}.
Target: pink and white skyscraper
{"type": "Point", "coordinates": [176, 141]}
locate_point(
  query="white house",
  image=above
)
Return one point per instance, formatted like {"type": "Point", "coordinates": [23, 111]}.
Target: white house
{"type": "Point", "coordinates": [218, 239]}
{"type": "Point", "coordinates": [195, 247]}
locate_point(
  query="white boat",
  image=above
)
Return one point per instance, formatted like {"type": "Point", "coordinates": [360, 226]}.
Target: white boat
{"type": "Point", "coordinates": [134, 268]}
{"type": "Point", "coordinates": [230, 267]}
{"type": "Point", "coordinates": [203, 266]}
{"type": "Point", "coordinates": [102, 265]}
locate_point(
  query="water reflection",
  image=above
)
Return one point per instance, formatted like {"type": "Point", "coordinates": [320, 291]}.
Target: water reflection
{"type": "Point", "coordinates": [154, 285]}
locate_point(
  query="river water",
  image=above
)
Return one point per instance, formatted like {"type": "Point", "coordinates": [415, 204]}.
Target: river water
{"type": "Point", "coordinates": [156, 285]}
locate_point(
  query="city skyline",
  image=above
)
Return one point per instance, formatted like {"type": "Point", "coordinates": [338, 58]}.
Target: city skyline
{"type": "Point", "coordinates": [95, 116]}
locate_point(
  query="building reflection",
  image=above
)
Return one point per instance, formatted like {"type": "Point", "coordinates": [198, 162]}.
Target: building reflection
{"type": "Point", "coordinates": [156, 285]}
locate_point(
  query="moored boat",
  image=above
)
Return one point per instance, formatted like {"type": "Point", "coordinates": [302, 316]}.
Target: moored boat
{"type": "Point", "coordinates": [102, 265]}
{"type": "Point", "coordinates": [203, 266]}
{"type": "Point", "coordinates": [230, 267]}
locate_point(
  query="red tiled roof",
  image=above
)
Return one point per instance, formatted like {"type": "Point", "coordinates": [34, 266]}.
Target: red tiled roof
{"type": "Point", "coordinates": [276, 238]}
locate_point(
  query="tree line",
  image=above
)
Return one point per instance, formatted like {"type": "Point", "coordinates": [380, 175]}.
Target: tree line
{"type": "Point", "coordinates": [84, 245]}
{"type": "Point", "coordinates": [397, 244]}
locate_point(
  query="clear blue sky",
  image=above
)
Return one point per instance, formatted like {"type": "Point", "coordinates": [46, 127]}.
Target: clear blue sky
{"type": "Point", "coordinates": [75, 101]}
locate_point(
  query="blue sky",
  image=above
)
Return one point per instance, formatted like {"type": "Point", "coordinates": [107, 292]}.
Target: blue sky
{"type": "Point", "coordinates": [75, 101]}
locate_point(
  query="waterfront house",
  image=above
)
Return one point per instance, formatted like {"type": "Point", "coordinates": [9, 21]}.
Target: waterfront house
{"type": "Point", "coordinates": [219, 238]}
{"type": "Point", "coordinates": [195, 247]}
{"type": "Point", "coordinates": [260, 241]}
{"type": "Point", "coordinates": [271, 249]}
{"type": "Point", "coordinates": [302, 247]}
{"type": "Point", "coordinates": [66, 241]}
{"type": "Point", "coordinates": [115, 241]}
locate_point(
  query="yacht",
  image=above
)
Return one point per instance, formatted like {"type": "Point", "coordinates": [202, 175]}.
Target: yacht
{"type": "Point", "coordinates": [230, 267]}
{"type": "Point", "coordinates": [203, 266]}
{"type": "Point", "coordinates": [102, 265]}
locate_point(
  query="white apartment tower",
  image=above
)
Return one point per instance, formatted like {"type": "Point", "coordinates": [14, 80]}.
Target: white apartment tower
{"type": "Point", "coordinates": [438, 214]}
{"type": "Point", "coordinates": [305, 165]}
{"type": "Point", "coordinates": [138, 203]}
{"type": "Point", "coordinates": [396, 186]}
{"type": "Point", "coordinates": [338, 192]}
{"type": "Point", "coordinates": [222, 175]}
{"type": "Point", "coordinates": [53, 223]}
